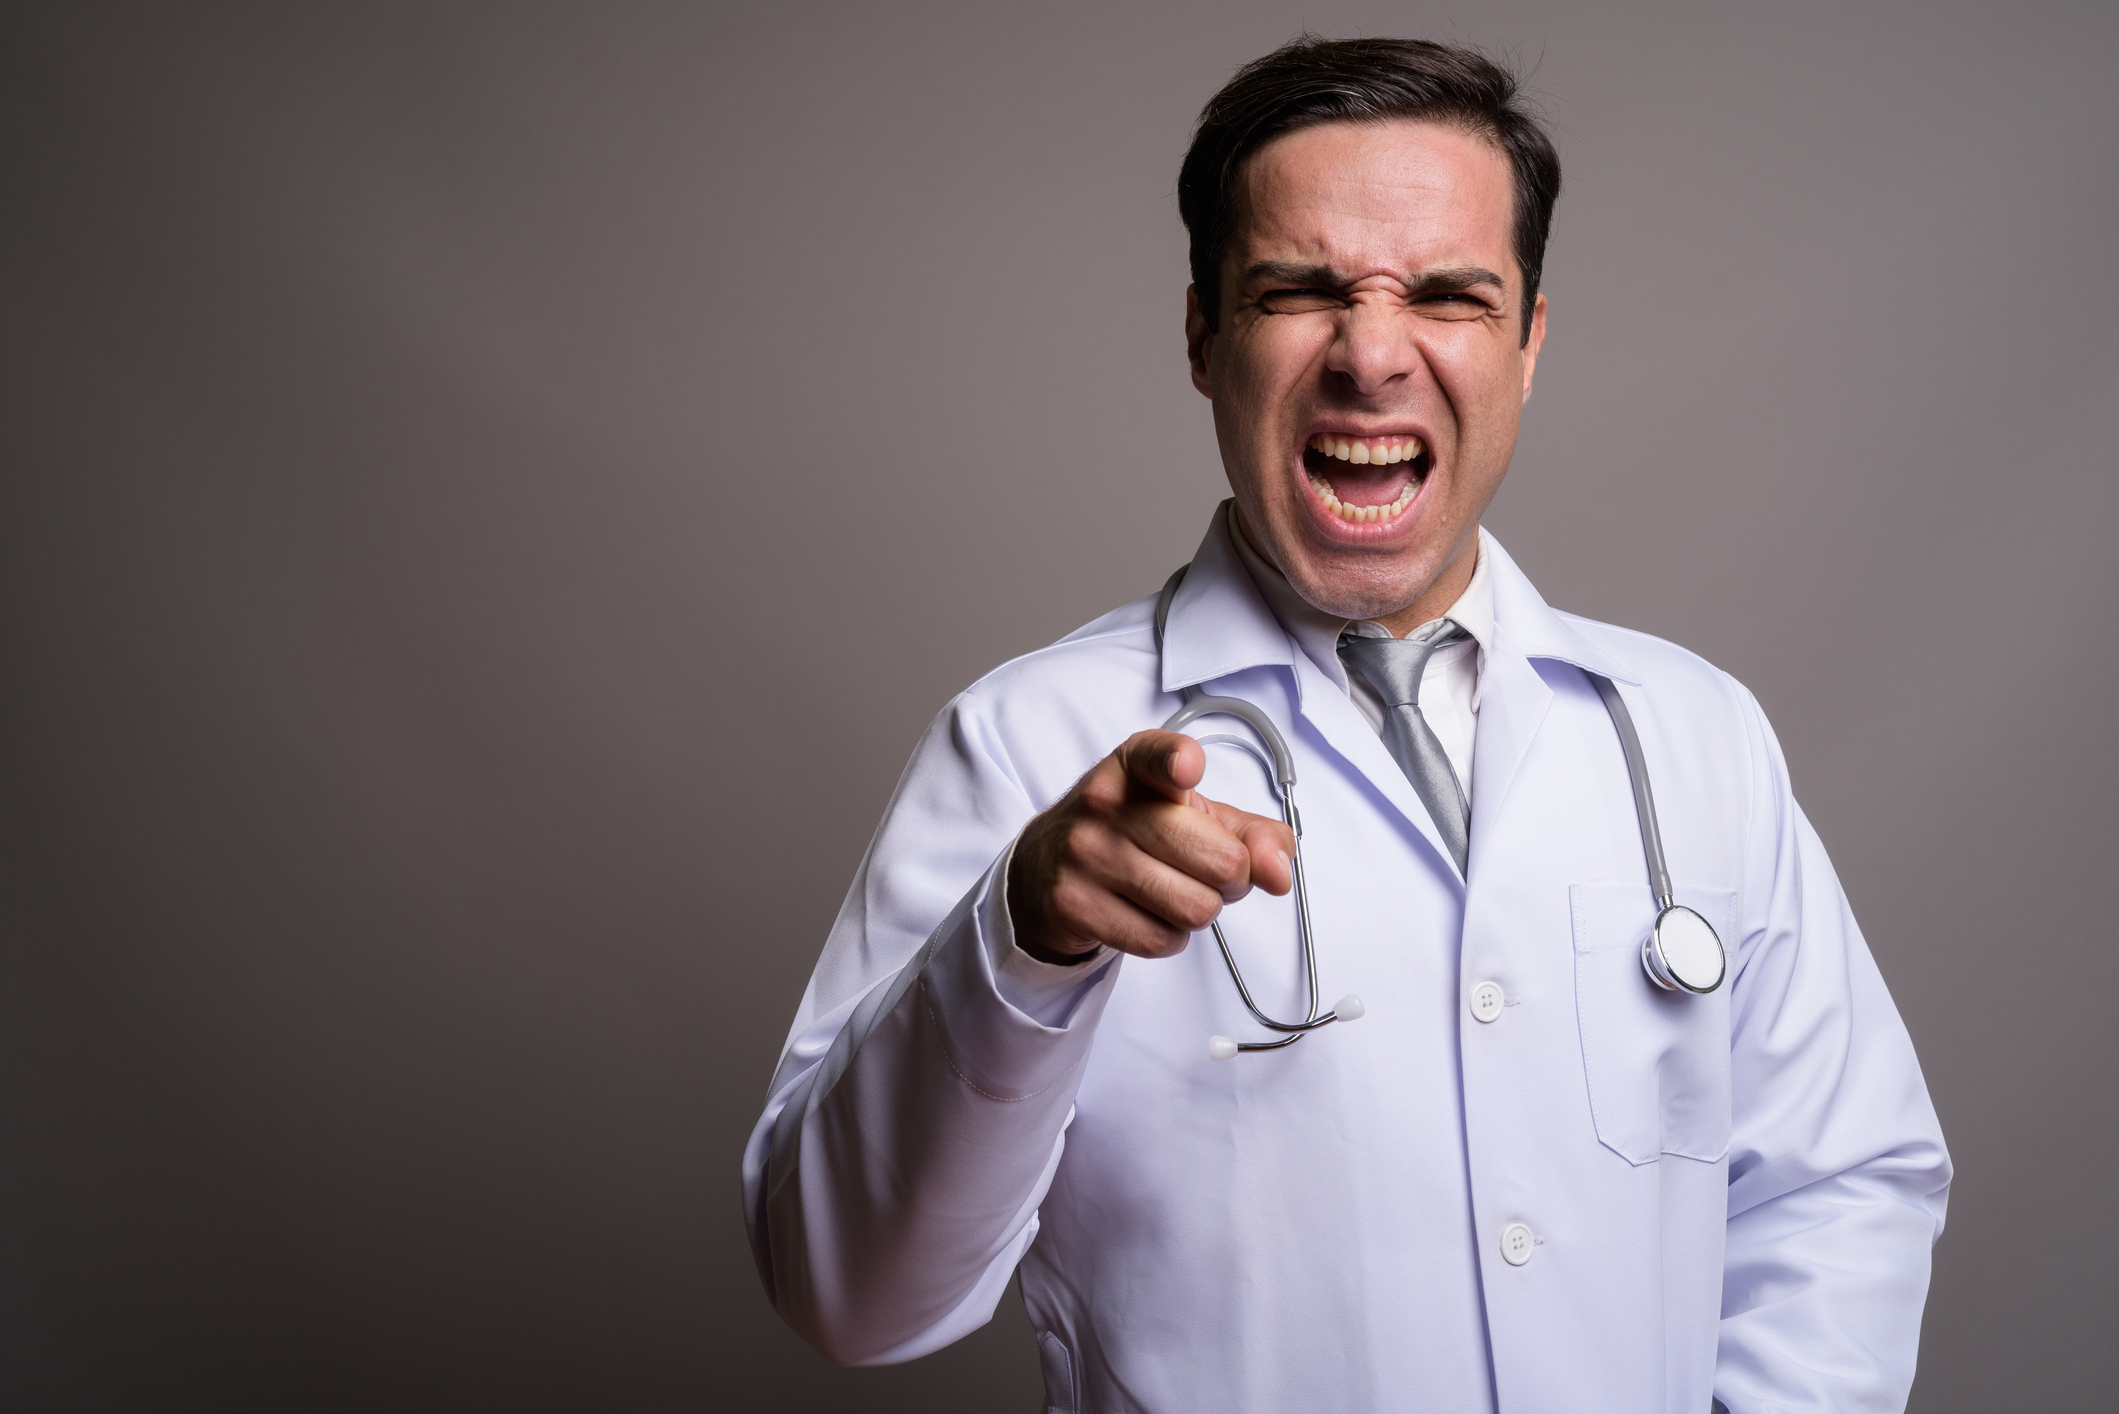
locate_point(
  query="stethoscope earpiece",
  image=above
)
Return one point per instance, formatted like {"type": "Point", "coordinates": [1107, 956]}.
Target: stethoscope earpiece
{"type": "Point", "coordinates": [1349, 1008]}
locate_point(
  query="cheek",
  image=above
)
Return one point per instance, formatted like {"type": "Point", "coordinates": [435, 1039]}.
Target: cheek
{"type": "Point", "coordinates": [1485, 391]}
{"type": "Point", "coordinates": [1271, 362]}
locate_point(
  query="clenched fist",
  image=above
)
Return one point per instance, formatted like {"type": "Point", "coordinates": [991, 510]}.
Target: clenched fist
{"type": "Point", "coordinates": [1134, 858]}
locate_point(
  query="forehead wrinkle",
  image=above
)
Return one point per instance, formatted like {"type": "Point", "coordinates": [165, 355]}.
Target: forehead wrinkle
{"type": "Point", "coordinates": [1353, 215]}
{"type": "Point", "coordinates": [1357, 190]}
{"type": "Point", "coordinates": [1312, 212]}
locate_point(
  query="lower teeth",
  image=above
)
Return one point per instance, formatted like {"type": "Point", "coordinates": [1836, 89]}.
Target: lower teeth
{"type": "Point", "coordinates": [1362, 515]}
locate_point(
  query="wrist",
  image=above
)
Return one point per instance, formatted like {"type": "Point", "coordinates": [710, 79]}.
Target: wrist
{"type": "Point", "coordinates": [1025, 918]}
{"type": "Point", "coordinates": [1054, 958]}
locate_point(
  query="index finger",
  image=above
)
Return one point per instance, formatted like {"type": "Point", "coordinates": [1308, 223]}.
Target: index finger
{"type": "Point", "coordinates": [1168, 763]}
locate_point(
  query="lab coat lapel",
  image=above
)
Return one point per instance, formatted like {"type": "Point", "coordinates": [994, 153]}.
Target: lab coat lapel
{"type": "Point", "coordinates": [1513, 701]}
{"type": "Point", "coordinates": [1220, 624]}
{"type": "Point", "coordinates": [1326, 707]}
{"type": "Point", "coordinates": [1513, 698]}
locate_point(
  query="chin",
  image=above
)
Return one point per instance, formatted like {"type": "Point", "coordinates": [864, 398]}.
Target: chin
{"type": "Point", "coordinates": [1350, 588]}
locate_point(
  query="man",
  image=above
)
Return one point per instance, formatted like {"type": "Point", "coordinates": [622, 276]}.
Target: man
{"type": "Point", "coordinates": [1528, 1179]}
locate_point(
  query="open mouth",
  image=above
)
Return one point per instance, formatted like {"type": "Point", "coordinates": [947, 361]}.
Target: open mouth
{"type": "Point", "coordinates": [1365, 480]}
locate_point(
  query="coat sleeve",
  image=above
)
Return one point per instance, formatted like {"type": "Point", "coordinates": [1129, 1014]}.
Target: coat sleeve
{"type": "Point", "coordinates": [1837, 1171]}
{"type": "Point", "coordinates": [919, 1109]}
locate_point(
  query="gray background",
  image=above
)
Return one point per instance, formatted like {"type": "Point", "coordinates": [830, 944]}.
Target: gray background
{"type": "Point", "coordinates": [493, 493]}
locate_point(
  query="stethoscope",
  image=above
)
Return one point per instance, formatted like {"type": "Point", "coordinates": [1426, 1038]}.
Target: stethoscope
{"type": "Point", "coordinates": [1682, 952]}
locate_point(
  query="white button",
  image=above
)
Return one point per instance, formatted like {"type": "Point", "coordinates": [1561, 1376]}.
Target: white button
{"type": "Point", "coordinates": [1516, 1243]}
{"type": "Point", "coordinates": [1486, 1001]}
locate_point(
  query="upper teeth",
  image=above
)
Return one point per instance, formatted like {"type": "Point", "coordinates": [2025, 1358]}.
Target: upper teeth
{"type": "Point", "coordinates": [1367, 451]}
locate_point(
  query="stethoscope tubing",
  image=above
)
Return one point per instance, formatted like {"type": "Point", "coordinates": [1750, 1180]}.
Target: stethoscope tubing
{"type": "Point", "coordinates": [1280, 771]}
{"type": "Point", "coordinates": [1665, 971]}
{"type": "Point", "coordinates": [1660, 968]}
{"type": "Point", "coordinates": [1643, 797]}
{"type": "Point", "coordinates": [1280, 768]}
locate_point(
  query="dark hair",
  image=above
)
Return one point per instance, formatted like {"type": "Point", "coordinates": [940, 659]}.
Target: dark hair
{"type": "Point", "coordinates": [1309, 81]}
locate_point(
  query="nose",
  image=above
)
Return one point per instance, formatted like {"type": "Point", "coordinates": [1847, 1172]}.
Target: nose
{"type": "Point", "coordinates": [1374, 348]}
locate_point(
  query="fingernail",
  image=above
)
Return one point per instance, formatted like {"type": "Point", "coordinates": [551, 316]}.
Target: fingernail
{"type": "Point", "coordinates": [1285, 863]}
{"type": "Point", "coordinates": [1170, 764]}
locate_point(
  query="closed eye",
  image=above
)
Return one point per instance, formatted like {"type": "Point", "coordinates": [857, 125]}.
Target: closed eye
{"type": "Point", "coordinates": [1455, 304]}
{"type": "Point", "coordinates": [1300, 301]}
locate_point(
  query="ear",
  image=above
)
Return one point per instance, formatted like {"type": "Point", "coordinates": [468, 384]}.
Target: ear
{"type": "Point", "coordinates": [1530, 347]}
{"type": "Point", "coordinates": [1199, 343]}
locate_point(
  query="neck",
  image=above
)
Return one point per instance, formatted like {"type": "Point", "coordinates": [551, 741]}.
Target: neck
{"type": "Point", "coordinates": [1442, 591]}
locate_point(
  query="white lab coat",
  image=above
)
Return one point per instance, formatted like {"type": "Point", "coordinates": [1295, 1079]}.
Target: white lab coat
{"type": "Point", "coordinates": [1733, 1196]}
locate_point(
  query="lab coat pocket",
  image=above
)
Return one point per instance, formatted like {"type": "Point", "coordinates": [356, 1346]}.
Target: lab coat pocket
{"type": "Point", "coordinates": [1657, 1061]}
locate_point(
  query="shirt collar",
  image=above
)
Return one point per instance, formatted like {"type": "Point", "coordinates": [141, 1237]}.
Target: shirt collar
{"type": "Point", "coordinates": [1221, 620]}
{"type": "Point", "coordinates": [1317, 633]}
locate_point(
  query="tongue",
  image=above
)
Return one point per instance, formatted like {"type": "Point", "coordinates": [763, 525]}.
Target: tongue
{"type": "Point", "coordinates": [1367, 485]}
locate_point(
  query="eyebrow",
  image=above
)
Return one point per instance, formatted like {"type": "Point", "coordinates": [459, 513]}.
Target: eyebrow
{"type": "Point", "coordinates": [1444, 280]}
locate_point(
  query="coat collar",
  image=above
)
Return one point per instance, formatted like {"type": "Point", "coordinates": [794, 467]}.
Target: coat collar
{"type": "Point", "coordinates": [1221, 623]}
{"type": "Point", "coordinates": [1525, 626]}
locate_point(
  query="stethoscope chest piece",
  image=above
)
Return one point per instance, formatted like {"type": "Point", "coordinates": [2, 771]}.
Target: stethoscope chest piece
{"type": "Point", "coordinates": [1682, 953]}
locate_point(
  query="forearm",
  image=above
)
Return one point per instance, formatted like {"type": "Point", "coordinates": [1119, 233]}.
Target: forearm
{"type": "Point", "coordinates": [1823, 1289]}
{"type": "Point", "coordinates": [1834, 1209]}
{"type": "Point", "coordinates": [894, 1181]}
{"type": "Point", "coordinates": [1838, 1175]}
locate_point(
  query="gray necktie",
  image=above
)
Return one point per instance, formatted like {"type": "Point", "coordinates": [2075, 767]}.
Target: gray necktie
{"type": "Point", "coordinates": [1393, 667]}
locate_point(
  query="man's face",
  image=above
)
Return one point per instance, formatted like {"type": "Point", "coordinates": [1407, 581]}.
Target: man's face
{"type": "Point", "coordinates": [1369, 374]}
